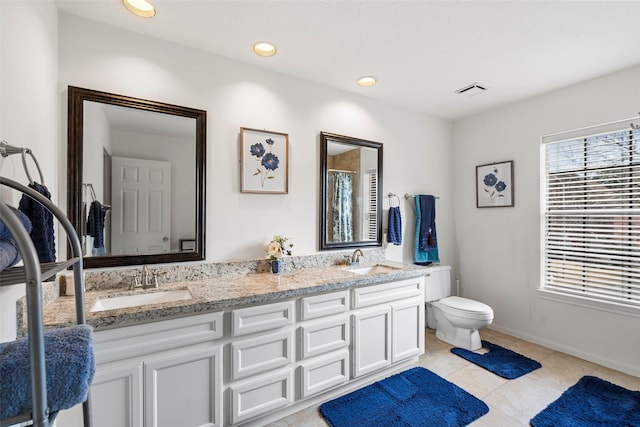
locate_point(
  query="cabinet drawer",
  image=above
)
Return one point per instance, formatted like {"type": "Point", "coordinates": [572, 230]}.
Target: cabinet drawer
{"type": "Point", "coordinates": [262, 317]}
{"type": "Point", "coordinates": [324, 305]}
{"type": "Point", "coordinates": [387, 292]}
{"type": "Point", "coordinates": [261, 354]}
{"type": "Point", "coordinates": [324, 336]}
{"type": "Point", "coordinates": [253, 398]}
{"type": "Point", "coordinates": [324, 372]}
{"type": "Point", "coordinates": [120, 343]}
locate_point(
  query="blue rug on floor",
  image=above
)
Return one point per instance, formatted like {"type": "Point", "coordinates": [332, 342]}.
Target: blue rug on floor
{"type": "Point", "coordinates": [592, 402]}
{"type": "Point", "coordinates": [499, 360]}
{"type": "Point", "coordinates": [412, 398]}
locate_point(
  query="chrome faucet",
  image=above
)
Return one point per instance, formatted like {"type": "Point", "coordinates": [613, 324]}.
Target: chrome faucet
{"type": "Point", "coordinates": [355, 257]}
{"type": "Point", "coordinates": [147, 279]}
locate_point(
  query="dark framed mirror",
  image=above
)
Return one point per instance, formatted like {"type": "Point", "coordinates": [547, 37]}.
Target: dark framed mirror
{"type": "Point", "coordinates": [350, 192]}
{"type": "Point", "coordinates": [136, 179]}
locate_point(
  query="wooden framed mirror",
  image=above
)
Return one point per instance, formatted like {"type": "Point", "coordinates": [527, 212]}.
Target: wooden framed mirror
{"type": "Point", "coordinates": [350, 192]}
{"type": "Point", "coordinates": [144, 163]}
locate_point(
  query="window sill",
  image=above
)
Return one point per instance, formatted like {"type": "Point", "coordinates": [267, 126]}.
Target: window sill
{"type": "Point", "coordinates": [591, 303]}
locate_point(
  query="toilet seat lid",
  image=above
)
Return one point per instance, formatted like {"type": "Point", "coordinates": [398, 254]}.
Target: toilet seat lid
{"type": "Point", "coordinates": [465, 304]}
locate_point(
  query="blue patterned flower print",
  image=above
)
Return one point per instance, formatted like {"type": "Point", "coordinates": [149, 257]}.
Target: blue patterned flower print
{"type": "Point", "coordinates": [270, 161]}
{"type": "Point", "coordinates": [489, 180]}
{"type": "Point", "coordinates": [493, 185]}
{"type": "Point", "coordinates": [267, 161]}
{"type": "Point", "coordinates": [257, 150]}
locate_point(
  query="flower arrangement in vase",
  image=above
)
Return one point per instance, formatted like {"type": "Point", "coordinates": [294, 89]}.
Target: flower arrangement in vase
{"type": "Point", "coordinates": [277, 248]}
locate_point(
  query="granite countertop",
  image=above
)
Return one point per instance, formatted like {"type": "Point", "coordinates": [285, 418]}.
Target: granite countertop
{"type": "Point", "coordinates": [215, 294]}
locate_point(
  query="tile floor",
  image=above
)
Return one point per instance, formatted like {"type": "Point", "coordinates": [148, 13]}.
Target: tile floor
{"type": "Point", "coordinates": [512, 403]}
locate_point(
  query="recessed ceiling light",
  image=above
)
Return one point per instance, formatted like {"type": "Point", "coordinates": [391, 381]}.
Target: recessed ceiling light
{"type": "Point", "coordinates": [367, 81]}
{"type": "Point", "coordinates": [140, 7]}
{"type": "Point", "coordinates": [264, 49]}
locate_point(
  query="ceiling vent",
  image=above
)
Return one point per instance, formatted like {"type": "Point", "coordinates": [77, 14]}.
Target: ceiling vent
{"type": "Point", "coordinates": [472, 89]}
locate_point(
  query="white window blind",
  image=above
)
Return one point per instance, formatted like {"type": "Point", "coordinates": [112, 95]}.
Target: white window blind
{"type": "Point", "coordinates": [591, 208]}
{"type": "Point", "coordinates": [371, 204]}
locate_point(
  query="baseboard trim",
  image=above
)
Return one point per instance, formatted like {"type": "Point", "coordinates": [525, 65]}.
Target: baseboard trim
{"type": "Point", "coordinates": [590, 357]}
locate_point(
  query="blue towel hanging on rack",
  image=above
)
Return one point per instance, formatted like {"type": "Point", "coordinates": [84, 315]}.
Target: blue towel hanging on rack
{"type": "Point", "coordinates": [394, 235]}
{"type": "Point", "coordinates": [95, 226]}
{"type": "Point", "coordinates": [426, 243]}
{"type": "Point", "coordinates": [41, 222]}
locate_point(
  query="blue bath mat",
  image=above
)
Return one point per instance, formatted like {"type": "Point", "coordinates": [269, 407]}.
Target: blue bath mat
{"type": "Point", "coordinates": [592, 402]}
{"type": "Point", "coordinates": [414, 398]}
{"type": "Point", "coordinates": [499, 360]}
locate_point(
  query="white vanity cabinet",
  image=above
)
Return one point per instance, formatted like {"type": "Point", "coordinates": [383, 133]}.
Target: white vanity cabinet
{"type": "Point", "coordinates": [270, 360]}
{"type": "Point", "coordinates": [388, 324]}
{"type": "Point", "coordinates": [161, 374]}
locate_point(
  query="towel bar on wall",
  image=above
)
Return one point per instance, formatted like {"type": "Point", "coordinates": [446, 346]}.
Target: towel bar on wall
{"type": "Point", "coordinates": [6, 150]}
{"type": "Point", "coordinates": [408, 196]}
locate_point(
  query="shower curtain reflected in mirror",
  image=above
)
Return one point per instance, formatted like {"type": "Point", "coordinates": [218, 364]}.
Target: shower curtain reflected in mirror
{"type": "Point", "coordinates": [342, 204]}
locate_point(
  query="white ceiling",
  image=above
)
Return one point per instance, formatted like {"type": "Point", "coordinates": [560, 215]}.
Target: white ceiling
{"type": "Point", "coordinates": [420, 51]}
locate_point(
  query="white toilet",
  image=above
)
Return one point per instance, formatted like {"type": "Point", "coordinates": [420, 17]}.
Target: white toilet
{"type": "Point", "coordinates": [455, 319]}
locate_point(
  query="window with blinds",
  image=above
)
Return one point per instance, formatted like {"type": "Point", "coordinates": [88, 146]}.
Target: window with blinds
{"type": "Point", "coordinates": [591, 208]}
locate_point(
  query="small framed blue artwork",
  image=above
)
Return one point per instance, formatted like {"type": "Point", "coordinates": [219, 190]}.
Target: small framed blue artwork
{"type": "Point", "coordinates": [494, 185]}
{"type": "Point", "coordinates": [264, 159]}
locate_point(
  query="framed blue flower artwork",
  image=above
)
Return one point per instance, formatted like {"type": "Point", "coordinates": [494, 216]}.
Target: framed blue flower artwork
{"type": "Point", "coordinates": [264, 159]}
{"type": "Point", "coordinates": [494, 185]}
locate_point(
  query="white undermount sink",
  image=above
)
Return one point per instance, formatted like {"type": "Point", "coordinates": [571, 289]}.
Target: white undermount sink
{"type": "Point", "coordinates": [372, 269]}
{"type": "Point", "coordinates": [113, 303]}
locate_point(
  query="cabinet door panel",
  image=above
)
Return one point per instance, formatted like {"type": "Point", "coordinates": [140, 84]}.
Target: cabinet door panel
{"type": "Point", "coordinates": [122, 343]}
{"type": "Point", "coordinates": [184, 390]}
{"type": "Point", "coordinates": [372, 340]}
{"type": "Point", "coordinates": [116, 396]}
{"type": "Point", "coordinates": [261, 354]}
{"type": "Point", "coordinates": [367, 296]}
{"type": "Point", "coordinates": [324, 372]}
{"type": "Point", "coordinates": [407, 319]}
{"type": "Point", "coordinates": [262, 317]}
{"type": "Point", "coordinates": [323, 305]}
{"type": "Point", "coordinates": [256, 397]}
{"type": "Point", "coordinates": [324, 336]}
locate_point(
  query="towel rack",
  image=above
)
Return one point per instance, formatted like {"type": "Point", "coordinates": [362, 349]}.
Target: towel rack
{"type": "Point", "coordinates": [341, 170]}
{"type": "Point", "coordinates": [31, 274]}
{"type": "Point", "coordinates": [6, 150]}
{"type": "Point", "coordinates": [391, 195]}
{"type": "Point", "coordinates": [92, 193]}
{"type": "Point", "coordinates": [408, 196]}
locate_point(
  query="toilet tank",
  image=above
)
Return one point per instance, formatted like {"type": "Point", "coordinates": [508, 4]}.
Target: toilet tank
{"type": "Point", "coordinates": [438, 283]}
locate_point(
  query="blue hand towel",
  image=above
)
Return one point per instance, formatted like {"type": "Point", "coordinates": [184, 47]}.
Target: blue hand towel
{"type": "Point", "coordinates": [42, 223]}
{"type": "Point", "coordinates": [430, 255]}
{"type": "Point", "coordinates": [394, 235]}
{"type": "Point", "coordinates": [95, 224]}
{"type": "Point", "coordinates": [70, 366]}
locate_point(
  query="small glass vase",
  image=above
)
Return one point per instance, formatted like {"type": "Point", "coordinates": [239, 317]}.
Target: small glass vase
{"type": "Point", "coordinates": [276, 266]}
